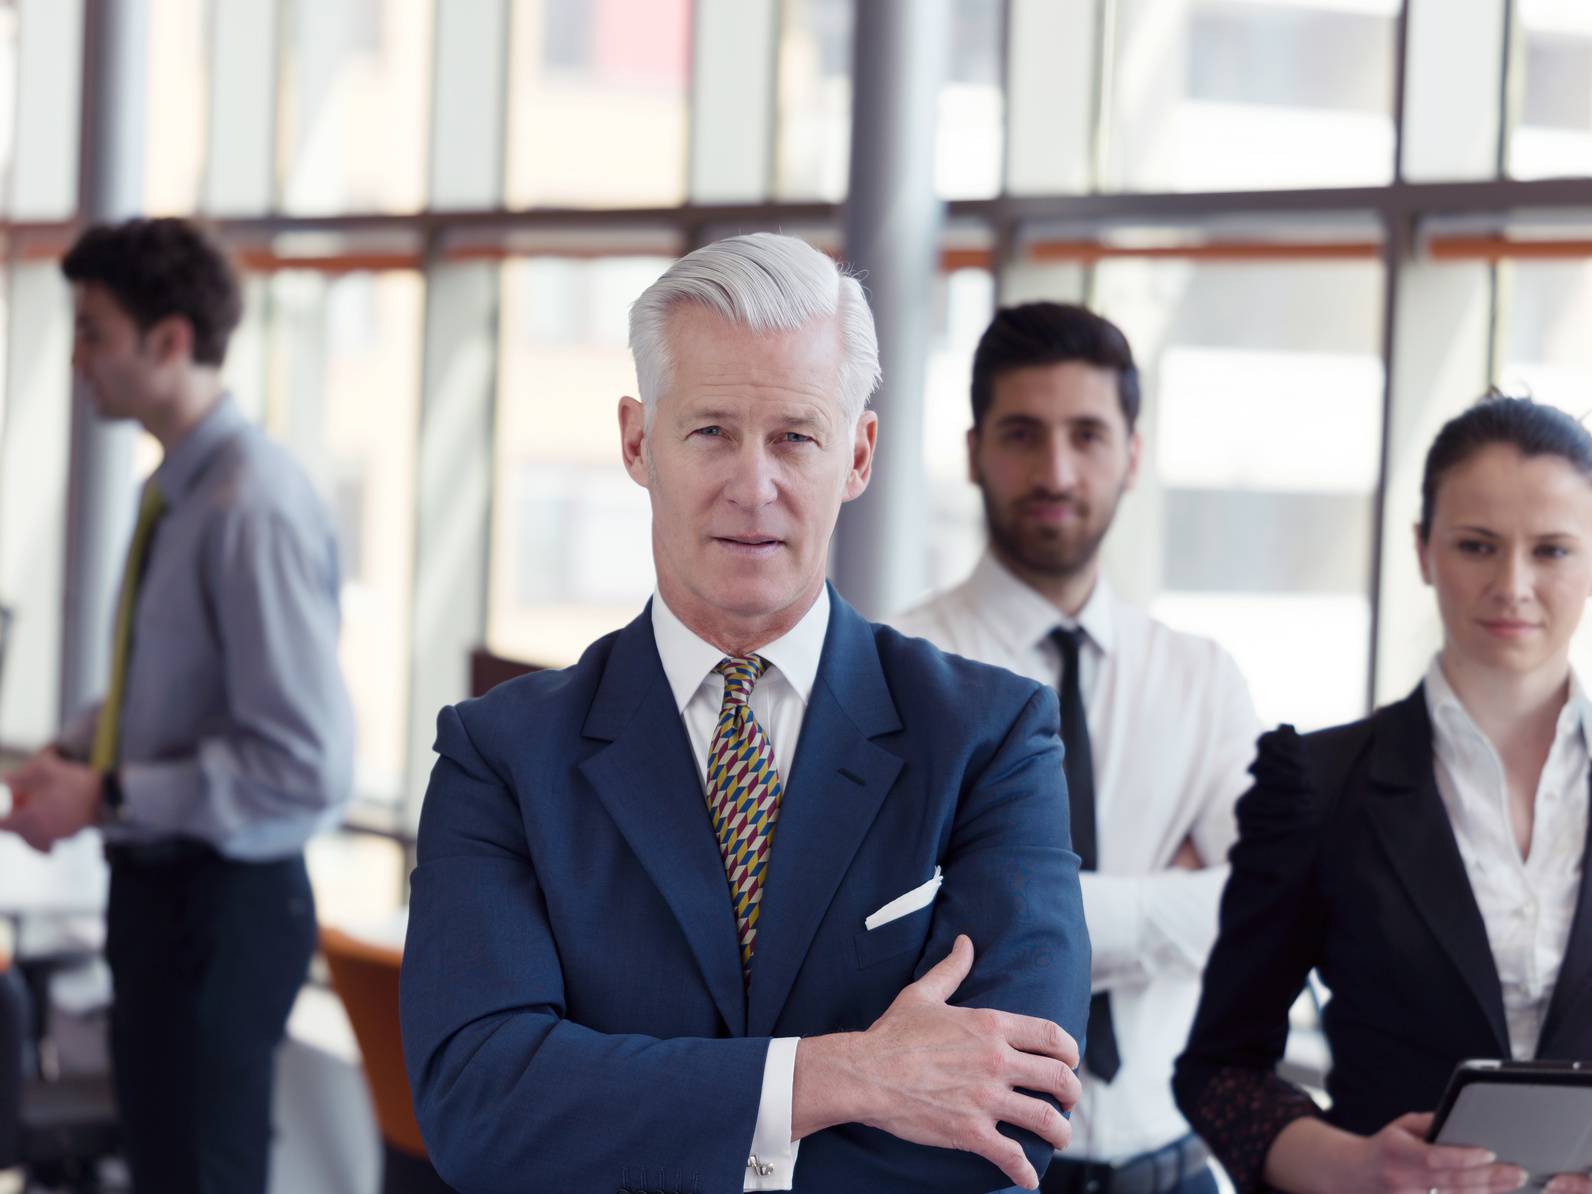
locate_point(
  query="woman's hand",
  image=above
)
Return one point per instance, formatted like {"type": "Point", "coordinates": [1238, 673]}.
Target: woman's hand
{"type": "Point", "coordinates": [1398, 1159]}
{"type": "Point", "coordinates": [1312, 1157]}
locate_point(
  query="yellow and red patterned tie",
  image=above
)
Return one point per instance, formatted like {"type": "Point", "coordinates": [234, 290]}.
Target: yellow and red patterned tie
{"type": "Point", "coordinates": [743, 794]}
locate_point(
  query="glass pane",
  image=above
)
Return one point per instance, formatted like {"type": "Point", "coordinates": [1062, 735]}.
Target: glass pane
{"type": "Point", "coordinates": [964, 302]}
{"type": "Point", "coordinates": [1553, 138]}
{"type": "Point", "coordinates": [571, 542]}
{"type": "Point", "coordinates": [355, 106]}
{"type": "Point", "coordinates": [732, 100]}
{"type": "Point", "coordinates": [1250, 94]}
{"type": "Point", "coordinates": [971, 115]}
{"type": "Point", "coordinates": [344, 361]}
{"type": "Point", "coordinates": [595, 84]}
{"type": "Point", "coordinates": [814, 136]}
{"type": "Point", "coordinates": [8, 91]}
{"type": "Point", "coordinates": [35, 438]}
{"type": "Point", "coordinates": [1262, 423]}
{"type": "Point", "coordinates": [49, 92]}
{"type": "Point", "coordinates": [178, 102]}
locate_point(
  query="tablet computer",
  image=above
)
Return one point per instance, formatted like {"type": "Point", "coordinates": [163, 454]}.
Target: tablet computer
{"type": "Point", "coordinates": [1534, 1114]}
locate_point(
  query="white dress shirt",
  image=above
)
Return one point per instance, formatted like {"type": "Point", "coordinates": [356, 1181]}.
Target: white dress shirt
{"type": "Point", "coordinates": [779, 703]}
{"type": "Point", "coordinates": [1173, 733]}
{"type": "Point", "coordinates": [1528, 902]}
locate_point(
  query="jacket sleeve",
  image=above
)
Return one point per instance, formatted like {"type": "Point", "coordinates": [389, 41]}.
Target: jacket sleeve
{"type": "Point", "coordinates": [510, 1093]}
{"type": "Point", "coordinates": [1271, 929]}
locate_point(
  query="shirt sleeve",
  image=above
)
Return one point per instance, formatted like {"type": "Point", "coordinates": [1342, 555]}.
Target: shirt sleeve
{"type": "Point", "coordinates": [76, 738]}
{"type": "Point", "coordinates": [1145, 926]}
{"type": "Point", "coordinates": [280, 762]}
{"type": "Point", "coordinates": [772, 1165]}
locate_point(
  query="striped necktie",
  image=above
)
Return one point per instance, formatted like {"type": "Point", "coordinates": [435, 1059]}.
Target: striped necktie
{"type": "Point", "coordinates": [743, 793]}
{"type": "Point", "coordinates": [108, 731]}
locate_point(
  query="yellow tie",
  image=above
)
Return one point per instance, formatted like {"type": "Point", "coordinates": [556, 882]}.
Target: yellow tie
{"type": "Point", "coordinates": [108, 733]}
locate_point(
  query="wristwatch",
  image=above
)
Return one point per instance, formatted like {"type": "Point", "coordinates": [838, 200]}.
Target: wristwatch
{"type": "Point", "coordinates": [112, 798]}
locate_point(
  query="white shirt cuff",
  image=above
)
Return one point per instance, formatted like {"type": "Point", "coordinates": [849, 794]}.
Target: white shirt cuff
{"type": "Point", "coordinates": [772, 1164]}
{"type": "Point", "coordinates": [1113, 908]}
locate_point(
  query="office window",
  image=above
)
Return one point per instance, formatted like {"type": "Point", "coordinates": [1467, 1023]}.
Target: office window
{"type": "Point", "coordinates": [355, 111]}
{"type": "Point", "coordinates": [1553, 138]}
{"type": "Point", "coordinates": [598, 103]}
{"type": "Point", "coordinates": [814, 109]}
{"type": "Point", "coordinates": [1250, 94]}
{"type": "Point", "coordinates": [177, 106]}
{"type": "Point", "coordinates": [571, 550]}
{"type": "Point", "coordinates": [968, 149]}
{"type": "Point", "coordinates": [963, 303]}
{"type": "Point", "coordinates": [1252, 518]}
{"type": "Point", "coordinates": [344, 362]}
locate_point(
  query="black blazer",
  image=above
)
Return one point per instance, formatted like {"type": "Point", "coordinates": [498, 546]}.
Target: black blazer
{"type": "Point", "coordinates": [1346, 863]}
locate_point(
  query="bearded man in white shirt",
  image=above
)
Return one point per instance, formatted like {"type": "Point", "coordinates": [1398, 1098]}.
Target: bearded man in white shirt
{"type": "Point", "coordinates": [1158, 725]}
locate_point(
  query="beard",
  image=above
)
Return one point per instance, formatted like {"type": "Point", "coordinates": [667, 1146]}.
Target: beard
{"type": "Point", "coordinates": [1044, 550]}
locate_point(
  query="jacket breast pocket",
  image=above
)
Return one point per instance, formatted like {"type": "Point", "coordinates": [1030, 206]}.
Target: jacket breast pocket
{"type": "Point", "coordinates": [903, 935]}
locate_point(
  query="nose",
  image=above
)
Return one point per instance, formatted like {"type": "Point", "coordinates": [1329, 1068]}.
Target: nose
{"type": "Point", "coordinates": [1058, 466]}
{"type": "Point", "coordinates": [751, 484]}
{"type": "Point", "coordinates": [1516, 580]}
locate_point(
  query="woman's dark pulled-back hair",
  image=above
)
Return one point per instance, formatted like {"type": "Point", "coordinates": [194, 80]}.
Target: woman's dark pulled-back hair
{"type": "Point", "coordinates": [159, 268]}
{"type": "Point", "coordinates": [1047, 333]}
{"type": "Point", "coordinates": [1532, 428]}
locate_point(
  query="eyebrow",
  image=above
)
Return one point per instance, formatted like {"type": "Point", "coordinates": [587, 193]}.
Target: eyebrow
{"type": "Point", "coordinates": [1094, 422]}
{"type": "Point", "coordinates": [1485, 533]}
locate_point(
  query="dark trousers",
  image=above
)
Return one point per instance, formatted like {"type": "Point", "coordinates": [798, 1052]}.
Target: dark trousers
{"type": "Point", "coordinates": [207, 956]}
{"type": "Point", "coordinates": [1061, 1178]}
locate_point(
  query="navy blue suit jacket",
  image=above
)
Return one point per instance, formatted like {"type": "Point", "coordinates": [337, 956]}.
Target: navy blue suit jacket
{"type": "Point", "coordinates": [574, 1013]}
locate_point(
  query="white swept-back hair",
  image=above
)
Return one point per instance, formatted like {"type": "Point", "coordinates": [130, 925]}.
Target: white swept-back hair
{"type": "Point", "coordinates": [767, 283]}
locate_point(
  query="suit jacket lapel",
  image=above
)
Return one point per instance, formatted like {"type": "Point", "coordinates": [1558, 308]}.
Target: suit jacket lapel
{"type": "Point", "coordinates": [1416, 832]}
{"type": "Point", "coordinates": [647, 780]}
{"type": "Point", "coordinates": [1575, 974]}
{"type": "Point", "coordinates": [837, 783]}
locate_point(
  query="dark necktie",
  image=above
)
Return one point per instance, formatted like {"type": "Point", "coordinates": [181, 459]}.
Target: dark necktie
{"type": "Point", "coordinates": [1100, 1055]}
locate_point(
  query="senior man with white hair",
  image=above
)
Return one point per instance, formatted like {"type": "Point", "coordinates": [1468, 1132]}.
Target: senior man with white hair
{"type": "Point", "coordinates": [641, 960]}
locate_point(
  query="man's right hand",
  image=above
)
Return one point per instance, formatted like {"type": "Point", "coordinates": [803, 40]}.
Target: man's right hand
{"type": "Point", "coordinates": [940, 1075]}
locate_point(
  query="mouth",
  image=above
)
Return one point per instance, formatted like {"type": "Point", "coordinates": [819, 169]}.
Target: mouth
{"type": "Point", "coordinates": [754, 546]}
{"type": "Point", "coordinates": [1051, 512]}
{"type": "Point", "coordinates": [1508, 627]}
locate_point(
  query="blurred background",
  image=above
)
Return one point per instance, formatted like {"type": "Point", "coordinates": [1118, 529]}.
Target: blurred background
{"type": "Point", "coordinates": [1325, 225]}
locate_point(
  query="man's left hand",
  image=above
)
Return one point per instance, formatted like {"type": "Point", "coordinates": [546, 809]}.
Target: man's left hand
{"type": "Point", "coordinates": [53, 799]}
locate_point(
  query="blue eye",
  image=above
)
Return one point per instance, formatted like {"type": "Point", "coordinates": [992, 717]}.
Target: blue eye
{"type": "Point", "coordinates": [713, 432]}
{"type": "Point", "coordinates": [796, 437]}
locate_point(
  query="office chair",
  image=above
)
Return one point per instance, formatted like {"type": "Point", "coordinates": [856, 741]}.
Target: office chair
{"type": "Point", "coordinates": [58, 1128]}
{"type": "Point", "coordinates": [365, 977]}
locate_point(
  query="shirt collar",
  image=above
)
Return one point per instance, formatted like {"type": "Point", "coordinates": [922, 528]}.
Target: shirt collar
{"type": "Point", "coordinates": [688, 660]}
{"type": "Point", "coordinates": [186, 459]}
{"type": "Point", "coordinates": [1021, 618]}
{"type": "Point", "coordinates": [1449, 715]}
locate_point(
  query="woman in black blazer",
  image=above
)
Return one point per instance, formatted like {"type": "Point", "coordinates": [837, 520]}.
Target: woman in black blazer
{"type": "Point", "coordinates": [1387, 855]}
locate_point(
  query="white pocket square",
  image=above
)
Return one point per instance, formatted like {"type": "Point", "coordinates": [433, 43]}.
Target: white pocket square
{"type": "Point", "coordinates": [918, 897]}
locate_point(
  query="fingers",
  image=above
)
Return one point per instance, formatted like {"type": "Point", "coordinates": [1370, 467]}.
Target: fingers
{"type": "Point", "coordinates": [1416, 1123]}
{"type": "Point", "coordinates": [1570, 1183]}
{"type": "Point", "coordinates": [1006, 1155]}
{"type": "Point", "coordinates": [1496, 1178]}
{"type": "Point", "coordinates": [1045, 1075]}
{"type": "Point", "coordinates": [1033, 1035]}
{"type": "Point", "coordinates": [940, 982]}
{"type": "Point", "coordinates": [1036, 1116]}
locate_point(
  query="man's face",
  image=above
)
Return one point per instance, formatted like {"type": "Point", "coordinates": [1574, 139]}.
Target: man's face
{"type": "Point", "coordinates": [116, 362]}
{"type": "Point", "coordinates": [1053, 457]}
{"type": "Point", "coordinates": [747, 461]}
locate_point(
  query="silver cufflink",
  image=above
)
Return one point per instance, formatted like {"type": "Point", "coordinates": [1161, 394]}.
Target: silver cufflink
{"type": "Point", "coordinates": [761, 1168]}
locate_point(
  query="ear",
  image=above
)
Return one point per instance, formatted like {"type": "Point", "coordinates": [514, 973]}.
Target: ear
{"type": "Point", "coordinates": [862, 446]}
{"type": "Point", "coordinates": [633, 440]}
{"type": "Point", "coordinates": [170, 340]}
{"type": "Point", "coordinates": [1135, 451]}
{"type": "Point", "coordinates": [1423, 548]}
{"type": "Point", "coordinates": [972, 453]}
